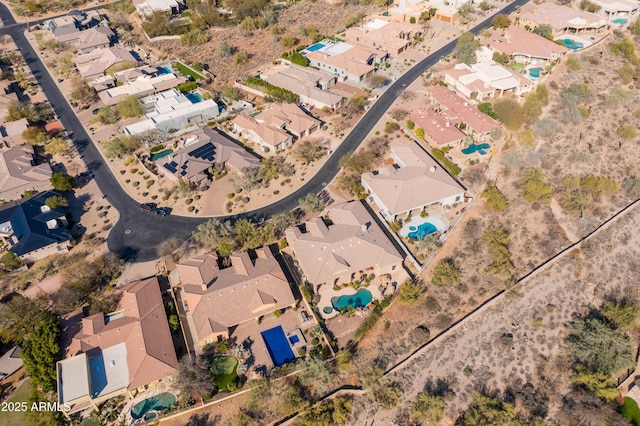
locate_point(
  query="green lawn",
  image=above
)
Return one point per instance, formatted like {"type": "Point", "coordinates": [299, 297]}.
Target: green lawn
{"type": "Point", "coordinates": [223, 370]}
{"type": "Point", "coordinates": [630, 411]}
{"type": "Point", "coordinates": [188, 71]}
{"type": "Point", "coordinates": [16, 418]}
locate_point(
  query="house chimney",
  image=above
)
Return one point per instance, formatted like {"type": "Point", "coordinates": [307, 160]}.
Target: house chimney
{"type": "Point", "coordinates": [432, 169]}
{"type": "Point", "coordinates": [93, 324]}
{"type": "Point", "coordinates": [448, 124]}
{"type": "Point", "coordinates": [365, 226]}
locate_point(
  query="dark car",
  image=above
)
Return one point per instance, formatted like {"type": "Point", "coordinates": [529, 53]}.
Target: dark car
{"type": "Point", "coordinates": [95, 111]}
{"type": "Point", "coordinates": [162, 211]}
{"type": "Point", "coordinates": [148, 206]}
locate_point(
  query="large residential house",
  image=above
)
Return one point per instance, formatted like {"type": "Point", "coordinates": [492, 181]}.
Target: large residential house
{"type": "Point", "coordinates": [20, 171]}
{"type": "Point", "coordinates": [72, 22]}
{"type": "Point", "coordinates": [217, 300]}
{"type": "Point", "coordinates": [10, 362]}
{"type": "Point", "coordinates": [32, 230]}
{"type": "Point", "coordinates": [88, 40]}
{"type": "Point", "coordinates": [562, 19]}
{"type": "Point", "coordinates": [276, 128]}
{"type": "Point", "coordinates": [146, 8]}
{"type": "Point", "coordinates": [486, 80]}
{"type": "Point", "coordinates": [437, 128]}
{"type": "Point", "coordinates": [313, 87]}
{"type": "Point", "coordinates": [413, 182]}
{"type": "Point", "coordinates": [385, 36]}
{"type": "Point", "coordinates": [172, 110]}
{"type": "Point", "coordinates": [96, 63]}
{"type": "Point", "coordinates": [613, 9]}
{"type": "Point", "coordinates": [341, 246]}
{"type": "Point", "coordinates": [119, 353]}
{"type": "Point", "coordinates": [523, 46]}
{"type": "Point", "coordinates": [462, 114]}
{"type": "Point", "coordinates": [347, 62]}
{"type": "Point", "coordinates": [143, 85]}
{"type": "Point", "coordinates": [200, 151]}
{"type": "Point", "coordinates": [11, 131]}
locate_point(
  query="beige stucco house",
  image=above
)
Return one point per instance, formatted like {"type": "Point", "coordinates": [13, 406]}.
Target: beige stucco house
{"type": "Point", "coordinates": [343, 244]}
{"type": "Point", "coordinates": [216, 300]}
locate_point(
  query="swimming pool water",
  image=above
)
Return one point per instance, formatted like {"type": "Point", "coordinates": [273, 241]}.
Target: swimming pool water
{"type": "Point", "coordinates": [164, 70]}
{"type": "Point", "coordinates": [314, 47]}
{"type": "Point", "coordinates": [571, 44]}
{"type": "Point", "coordinates": [157, 402]}
{"type": "Point", "coordinates": [620, 21]}
{"type": "Point", "coordinates": [476, 147]}
{"type": "Point", "coordinates": [422, 231]}
{"type": "Point", "coordinates": [294, 339]}
{"type": "Point", "coordinates": [535, 72]}
{"type": "Point", "coordinates": [194, 98]}
{"type": "Point", "coordinates": [359, 300]}
{"type": "Point", "coordinates": [278, 346]}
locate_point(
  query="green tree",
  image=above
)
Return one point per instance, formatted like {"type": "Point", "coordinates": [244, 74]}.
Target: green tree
{"type": "Point", "coordinates": [410, 292]}
{"type": "Point", "coordinates": [317, 375]}
{"type": "Point", "coordinates": [281, 221]}
{"type": "Point", "coordinates": [62, 182]}
{"type": "Point", "coordinates": [501, 21]}
{"type": "Point", "coordinates": [595, 347]}
{"type": "Point", "coordinates": [501, 58]}
{"type": "Point", "coordinates": [214, 233]}
{"type": "Point", "coordinates": [56, 146]}
{"type": "Point", "coordinates": [487, 108]}
{"type": "Point", "coordinates": [501, 264]}
{"type": "Point", "coordinates": [466, 47]}
{"type": "Point", "coordinates": [601, 385]}
{"type": "Point", "coordinates": [535, 189]}
{"type": "Point", "coordinates": [356, 103]}
{"type": "Point", "coordinates": [241, 57]}
{"type": "Point", "coordinates": [107, 115]}
{"type": "Point", "coordinates": [130, 107]}
{"type": "Point", "coordinates": [334, 411]}
{"type": "Point", "coordinates": [446, 272]}
{"type": "Point", "coordinates": [487, 411]}
{"type": "Point", "coordinates": [35, 135]}
{"type": "Point", "coordinates": [56, 201]}
{"type": "Point", "coordinates": [40, 351]}
{"type": "Point", "coordinates": [496, 201]}
{"type": "Point", "coordinates": [308, 151]}
{"type": "Point", "coordinates": [427, 408]}
{"type": "Point", "coordinates": [20, 316]}
{"type": "Point", "coordinates": [627, 131]}
{"type": "Point", "coordinates": [311, 203]}
{"type": "Point", "coordinates": [544, 30]}
{"type": "Point", "coordinates": [194, 37]}
{"type": "Point", "coordinates": [622, 316]}
{"type": "Point", "coordinates": [509, 113]}
{"type": "Point", "coordinates": [288, 40]}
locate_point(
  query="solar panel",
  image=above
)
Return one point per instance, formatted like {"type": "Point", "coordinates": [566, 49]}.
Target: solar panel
{"type": "Point", "coordinates": [170, 167]}
{"type": "Point", "coordinates": [205, 152]}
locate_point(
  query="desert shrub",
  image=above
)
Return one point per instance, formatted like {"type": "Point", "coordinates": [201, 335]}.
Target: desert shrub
{"type": "Point", "coordinates": [446, 272]}
{"type": "Point", "coordinates": [495, 199]}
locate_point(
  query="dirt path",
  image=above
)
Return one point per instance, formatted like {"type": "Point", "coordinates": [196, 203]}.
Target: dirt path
{"type": "Point", "coordinates": [559, 215]}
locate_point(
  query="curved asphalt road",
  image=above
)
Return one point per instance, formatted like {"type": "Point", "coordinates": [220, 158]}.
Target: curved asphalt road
{"type": "Point", "coordinates": [137, 234]}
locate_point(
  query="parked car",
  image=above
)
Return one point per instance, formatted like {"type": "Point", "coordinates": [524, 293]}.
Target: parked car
{"type": "Point", "coordinates": [148, 206]}
{"type": "Point", "coordinates": [162, 211]}
{"type": "Point", "coordinates": [95, 111]}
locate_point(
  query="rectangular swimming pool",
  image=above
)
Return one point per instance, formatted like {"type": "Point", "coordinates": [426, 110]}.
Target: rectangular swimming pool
{"type": "Point", "coordinates": [278, 346]}
{"type": "Point", "coordinates": [314, 47]}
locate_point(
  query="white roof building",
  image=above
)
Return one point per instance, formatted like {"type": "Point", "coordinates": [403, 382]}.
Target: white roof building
{"type": "Point", "coordinates": [172, 110]}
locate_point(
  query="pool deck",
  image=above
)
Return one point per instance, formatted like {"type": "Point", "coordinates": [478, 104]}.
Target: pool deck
{"type": "Point", "coordinates": [327, 292]}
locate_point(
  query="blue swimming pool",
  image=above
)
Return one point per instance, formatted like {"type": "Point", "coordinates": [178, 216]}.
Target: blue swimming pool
{"type": "Point", "coordinates": [314, 47]}
{"type": "Point", "coordinates": [294, 339]}
{"type": "Point", "coordinates": [535, 72]}
{"type": "Point", "coordinates": [158, 402]}
{"type": "Point", "coordinates": [571, 44]}
{"type": "Point", "coordinates": [422, 231]}
{"type": "Point", "coordinates": [164, 70]}
{"type": "Point", "coordinates": [278, 346]}
{"type": "Point", "coordinates": [359, 300]}
{"type": "Point", "coordinates": [194, 98]}
{"type": "Point", "coordinates": [476, 148]}
{"type": "Point", "coordinates": [620, 21]}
